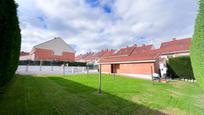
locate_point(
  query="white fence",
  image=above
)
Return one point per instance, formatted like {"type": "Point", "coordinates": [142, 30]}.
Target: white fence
{"type": "Point", "coordinates": [52, 70]}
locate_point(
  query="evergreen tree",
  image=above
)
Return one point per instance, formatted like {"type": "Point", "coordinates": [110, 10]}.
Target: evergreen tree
{"type": "Point", "coordinates": [10, 40]}
{"type": "Point", "coordinates": [197, 48]}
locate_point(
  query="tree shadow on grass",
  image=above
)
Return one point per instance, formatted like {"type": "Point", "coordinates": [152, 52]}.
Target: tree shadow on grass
{"type": "Point", "coordinates": [104, 104]}
{"type": "Point", "coordinates": [56, 95]}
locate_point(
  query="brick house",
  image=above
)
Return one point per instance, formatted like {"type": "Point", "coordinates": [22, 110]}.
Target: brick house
{"type": "Point", "coordinates": [144, 60]}
{"type": "Point", "coordinates": [53, 50]}
{"type": "Point", "coordinates": [94, 57]}
{"type": "Point", "coordinates": [175, 48]}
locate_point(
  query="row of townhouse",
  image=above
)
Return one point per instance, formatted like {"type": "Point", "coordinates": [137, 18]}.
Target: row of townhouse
{"type": "Point", "coordinates": [94, 57]}
{"type": "Point", "coordinates": [137, 61]}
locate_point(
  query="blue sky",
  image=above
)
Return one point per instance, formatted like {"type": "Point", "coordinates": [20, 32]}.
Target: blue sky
{"type": "Point", "coordinates": [92, 25]}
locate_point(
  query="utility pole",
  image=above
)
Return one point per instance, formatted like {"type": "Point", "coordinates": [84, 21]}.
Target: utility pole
{"type": "Point", "coordinates": [52, 65]}
{"type": "Point", "coordinates": [63, 68]}
{"type": "Point", "coordinates": [40, 65]}
{"type": "Point", "coordinates": [99, 89]}
{"type": "Point", "coordinates": [27, 66]}
{"type": "Point", "coordinates": [87, 69]}
{"type": "Point", "coordinates": [152, 75]}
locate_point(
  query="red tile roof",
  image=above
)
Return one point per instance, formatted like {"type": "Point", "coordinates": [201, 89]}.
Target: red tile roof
{"type": "Point", "coordinates": [125, 51]}
{"type": "Point", "coordinates": [83, 56]}
{"type": "Point", "coordinates": [78, 57]}
{"type": "Point", "coordinates": [108, 53]}
{"type": "Point", "coordinates": [141, 49]}
{"type": "Point", "coordinates": [176, 45]}
{"type": "Point", "coordinates": [144, 52]}
{"type": "Point", "coordinates": [94, 56]}
{"type": "Point", "coordinates": [24, 53]}
{"type": "Point", "coordinates": [99, 54]}
{"type": "Point", "coordinates": [147, 53]}
{"type": "Point", "coordinates": [90, 56]}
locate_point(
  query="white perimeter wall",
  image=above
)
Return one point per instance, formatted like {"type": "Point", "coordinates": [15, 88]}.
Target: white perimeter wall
{"type": "Point", "coordinates": [51, 70]}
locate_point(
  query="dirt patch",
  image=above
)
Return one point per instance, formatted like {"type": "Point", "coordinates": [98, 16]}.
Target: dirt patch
{"type": "Point", "coordinates": [200, 100]}
{"type": "Point", "coordinates": [135, 99]}
{"type": "Point", "coordinates": [173, 111]}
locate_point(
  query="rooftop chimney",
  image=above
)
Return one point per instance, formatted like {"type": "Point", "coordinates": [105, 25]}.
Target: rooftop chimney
{"type": "Point", "coordinates": [57, 37]}
{"type": "Point", "coordinates": [135, 45]}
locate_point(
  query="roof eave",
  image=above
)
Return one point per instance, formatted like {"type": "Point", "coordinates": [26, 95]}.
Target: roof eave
{"type": "Point", "coordinates": [141, 61]}
{"type": "Point", "coordinates": [184, 51]}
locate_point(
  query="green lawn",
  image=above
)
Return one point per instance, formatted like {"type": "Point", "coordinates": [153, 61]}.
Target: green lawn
{"type": "Point", "coordinates": [77, 94]}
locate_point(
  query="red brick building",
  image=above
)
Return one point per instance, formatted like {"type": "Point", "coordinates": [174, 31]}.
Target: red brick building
{"type": "Point", "coordinates": [52, 50]}
{"type": "Point", "coordinates": [131, 61]}
{"type": "Point", "coordinates": [139, 61]}
{"type": "Point", "coordinates": [94, 57]}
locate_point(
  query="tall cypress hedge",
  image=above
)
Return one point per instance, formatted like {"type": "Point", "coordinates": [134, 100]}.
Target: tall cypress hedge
{"type": "Point", "coordinates": [10, 40]}
{"type": "Point", "coordinates": [197, 48]}
{"type": "Point", "coordinates": [180, 67]}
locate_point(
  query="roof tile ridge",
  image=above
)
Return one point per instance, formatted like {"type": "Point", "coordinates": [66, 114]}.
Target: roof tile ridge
{"type": "Point", "coordinates": [132, 51]}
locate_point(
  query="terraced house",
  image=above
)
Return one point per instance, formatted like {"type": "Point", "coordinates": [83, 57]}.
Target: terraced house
{"type": "Point", "coordinates": [53, 50]}
{"type": "Point", "coordinates": [141, 61]}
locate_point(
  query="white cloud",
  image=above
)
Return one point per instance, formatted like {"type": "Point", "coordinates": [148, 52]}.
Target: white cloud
{"type": "Point", "coordinates": [90, 28]}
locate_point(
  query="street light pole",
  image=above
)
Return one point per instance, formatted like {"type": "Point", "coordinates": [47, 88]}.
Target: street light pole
{"type": "Point", "coordinates": [40, 65]}
{"type": "Point", "coordinates": [99, 90]}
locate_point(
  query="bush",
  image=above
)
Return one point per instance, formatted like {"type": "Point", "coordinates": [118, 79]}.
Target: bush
{"type": "Point", "coordinates": [180, 67]}
{"type": "Point", "coordinates": [197, 48]}
{"type": "Point", "coordinates": [170, 72]}
{"type": "Point", "coordinates": [10, 40]}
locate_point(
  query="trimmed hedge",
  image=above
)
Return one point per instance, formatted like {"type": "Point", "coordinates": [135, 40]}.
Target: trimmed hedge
{"type": "Point", "coordinates": [10, 40]}
{"type": "Point", "coordinates": [197, 48]}
{"type": "Point", "coordinates": [48, 63]}
{"type": "Point", "coordinates": [180, 67]}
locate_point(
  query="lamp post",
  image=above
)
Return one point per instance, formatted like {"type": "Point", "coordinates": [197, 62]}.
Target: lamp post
{"type": "Point", "coordinates": [67, 66]}
{"type": "Point", "coordinates": [27, 66]}
{"type": "Point", "coordinates": [152, 75]}
{"type": "Point", "coordinates": [52, 65]}
{"type": "Point", "coordinates": [40, 65]}
{"type": "Point", "coordinates": [87, 68]}
{"type": "Point", "coordinates": [99, 89]}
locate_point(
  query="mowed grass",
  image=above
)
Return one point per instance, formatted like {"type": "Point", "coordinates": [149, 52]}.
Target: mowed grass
{"type": "Point", "coordinates": [77, 94]}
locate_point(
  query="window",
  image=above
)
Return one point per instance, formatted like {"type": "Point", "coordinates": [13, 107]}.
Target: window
{"type": "Point", "coordinates": [170, 56]}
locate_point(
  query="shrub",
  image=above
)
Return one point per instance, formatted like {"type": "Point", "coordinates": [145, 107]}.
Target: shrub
{"type": "Point", "coordinates": [10, 40]}
{"type": "Point", "coordinates": [180, 67]}
{"type": "Point", "coordinates": [170, 72]}
{"type": "Point", "coordinates": [197, 48]}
